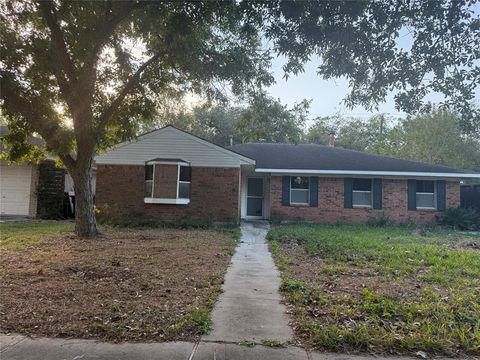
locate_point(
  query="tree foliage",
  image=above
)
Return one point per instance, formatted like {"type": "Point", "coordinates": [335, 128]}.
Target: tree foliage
{"type": "Point", "coordinates": [263, 118]}
{"type": "Point", "coordinates": [436, 137]}
{"type": "Point", "coordinates": [414, 47]}
{"type": "Point", "coordinates": [371, 135]}
{"type": "Point", "coordinates": [266, 119]}
{"type": "Point", "coordinates": [215, 123]}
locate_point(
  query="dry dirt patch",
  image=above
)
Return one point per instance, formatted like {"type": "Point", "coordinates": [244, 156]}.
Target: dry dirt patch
{"type": "Point", "coordinates": [127, 285]}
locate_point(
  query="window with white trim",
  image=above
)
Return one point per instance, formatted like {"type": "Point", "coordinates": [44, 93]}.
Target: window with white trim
{"type": "Point", "coordinates": [167, 182]}
{"type": "Point", "coordinates": [362, 192]}
{"type": "Point", "coordinates": [184, 182]}
{"type": "Point", "coordinates": [425, 195]}
{"type": "Point", "coordinates": [149, 170]}
{"type": "Point", "coordinates": [299, 190]}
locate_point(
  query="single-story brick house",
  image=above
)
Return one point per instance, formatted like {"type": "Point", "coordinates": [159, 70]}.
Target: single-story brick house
{"type": "Point", "coordinates": [170, 174]}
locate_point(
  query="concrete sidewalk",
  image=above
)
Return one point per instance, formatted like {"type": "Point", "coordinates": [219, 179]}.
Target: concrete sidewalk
{"type": "Point", "coordinates": [250, 308]}
{"type": "Point", "coordinates": [18, 347]}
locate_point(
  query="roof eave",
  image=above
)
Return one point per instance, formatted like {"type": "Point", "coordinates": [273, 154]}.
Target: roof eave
{"type": "Point", "coordinates": [370, 173]}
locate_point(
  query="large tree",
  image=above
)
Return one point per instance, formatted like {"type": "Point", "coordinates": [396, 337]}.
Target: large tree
{"type": "Point", "coordinates": [84, 74]}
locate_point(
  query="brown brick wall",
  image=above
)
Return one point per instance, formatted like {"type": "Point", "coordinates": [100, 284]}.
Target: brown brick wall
{"type": "Point", "coordinates": [215, 194]}
{"type": "Point", "coordinates": [165, 181]}
{"type": "Point", "coordinates": [331, 208]}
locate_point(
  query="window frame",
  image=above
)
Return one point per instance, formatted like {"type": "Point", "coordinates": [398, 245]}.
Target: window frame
{"type": "Point", "coordinates": [369, 206]}
{"type": "Point", "coordinates": [305, 190]}
{"type": "Point", "coordinates": [434, 194]}
{"type": "Point", "coordinates": [149, 181]}
{"type": "Point", "coordinates": [176, 201]}
{"type": "Point", "coordinates": [184, 182]}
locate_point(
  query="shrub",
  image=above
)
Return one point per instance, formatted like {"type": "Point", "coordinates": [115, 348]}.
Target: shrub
{"type": "Point", "coordinates": [461, 218]}
{"type": "Point", "coordinates": [379, 221]}
{"type": "Point", "coordinates": [136, 220]}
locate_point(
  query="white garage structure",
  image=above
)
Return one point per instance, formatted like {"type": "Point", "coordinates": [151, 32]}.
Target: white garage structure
{"type": "Point", "coordinates": [17, 189]}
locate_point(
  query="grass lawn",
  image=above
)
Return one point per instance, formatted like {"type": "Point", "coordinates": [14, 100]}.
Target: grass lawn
{"type": "Point", "coordinates": [136, 285]}
{"type": "Point", "coordinates": [381, 290]}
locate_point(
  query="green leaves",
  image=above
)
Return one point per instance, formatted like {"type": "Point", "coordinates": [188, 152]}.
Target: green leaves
{"type": "Point", "coordinates": [266, 119]}
{"type": "Point", "coordinates": [414, 138]}
{"type": "Point", "coordinates": [414, 47]}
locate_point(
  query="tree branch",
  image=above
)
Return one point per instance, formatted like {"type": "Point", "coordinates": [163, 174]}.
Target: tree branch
{"type": "Point", "coordinates": [127, 88]}
{"type": "Point", "coordinates": [29, 110]}
{"type": "Point", "coordinates": [49, 13]}
{"type": "Point", "coordinates": [104, 29]}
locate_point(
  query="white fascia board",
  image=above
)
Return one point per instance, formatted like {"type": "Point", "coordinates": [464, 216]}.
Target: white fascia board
{"type": "Point", "coordinates": [368, 173]}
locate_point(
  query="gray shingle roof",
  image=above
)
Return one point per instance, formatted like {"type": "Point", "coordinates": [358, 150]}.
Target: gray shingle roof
{"type": "Point", "coordinates": [321, 157]}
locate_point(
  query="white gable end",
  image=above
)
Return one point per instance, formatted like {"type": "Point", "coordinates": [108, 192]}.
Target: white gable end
{"type": "Point", "coordinates": [172, 143]}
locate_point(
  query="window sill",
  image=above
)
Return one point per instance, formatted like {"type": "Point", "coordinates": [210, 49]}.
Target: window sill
{"type": "Point", "coordinates": [426, 208]}
{"type": "Point", "coordinates": [362, 206]}
{"type": "Point", "coordinates": [300, 204]}
{"type": "Point", "coordinates": [149, 200]}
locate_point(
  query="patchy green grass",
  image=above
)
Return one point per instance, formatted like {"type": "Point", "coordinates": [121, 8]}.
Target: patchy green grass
{"type": "Point", "coordinates": [381, 289]}
{"type": "Point", "coordinates": [18, 235]}
{"type": "Point", "coordinates": [247, 343]}
{"type": "Point", "coordinates": [274, 343]}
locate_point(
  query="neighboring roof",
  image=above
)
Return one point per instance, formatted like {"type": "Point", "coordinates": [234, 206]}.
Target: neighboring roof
{"type": "Point", "coordinates": [322, 159]}
{"type": "Point", "coordinates": [172, 143]}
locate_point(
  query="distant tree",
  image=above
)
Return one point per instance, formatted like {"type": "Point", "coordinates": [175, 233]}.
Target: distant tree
{"type": "Point", "coordinates": [370, 135]}
{"type": "Point", "coordinates": [266, 119]}
{"type": "Point", "coordinates": [436, 138]}
{"type": "Point", "coordinates": [215, 123]}
{"type": "Point", "coordinates": [262, 118]}
{"type": "Point", "coordinates": [317, 133]}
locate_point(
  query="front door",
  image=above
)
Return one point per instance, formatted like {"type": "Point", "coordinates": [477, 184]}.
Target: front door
{"type": "Point", "coordinates": [255, 197]}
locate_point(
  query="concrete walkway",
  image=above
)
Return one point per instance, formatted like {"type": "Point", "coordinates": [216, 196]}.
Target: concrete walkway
{"type": "Point", "coordinates": [249, 308]}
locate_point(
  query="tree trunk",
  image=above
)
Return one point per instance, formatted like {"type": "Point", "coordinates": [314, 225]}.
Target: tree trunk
{"type": "Point", "coordinates": [85, 222]}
